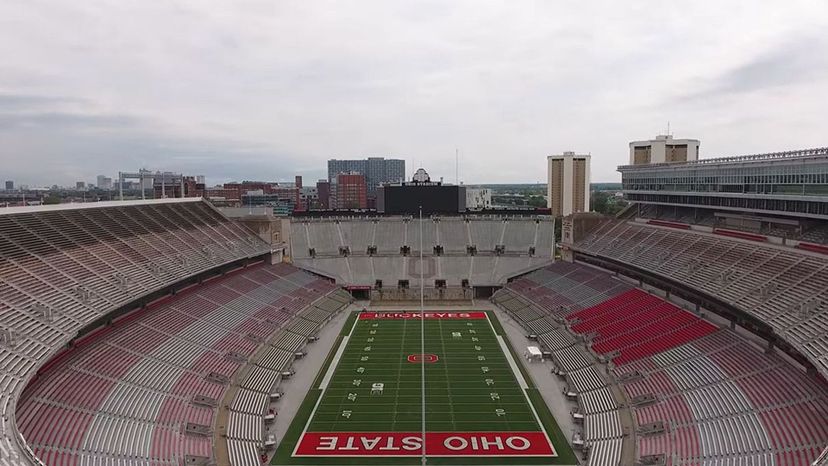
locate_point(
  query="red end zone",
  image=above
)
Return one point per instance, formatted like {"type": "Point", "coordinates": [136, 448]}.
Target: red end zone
{"type": "Point", "coordinates": [437, 444]}
{"type": "Point", "coordinates": [426, 315]}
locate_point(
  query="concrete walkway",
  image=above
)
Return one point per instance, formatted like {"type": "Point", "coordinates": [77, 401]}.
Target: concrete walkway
{"type": "Point", "coordinates": [296, 388]}
{"type": "Point", "coordinates": [550, 385]}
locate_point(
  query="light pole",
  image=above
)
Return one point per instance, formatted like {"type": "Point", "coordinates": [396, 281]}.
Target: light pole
{"type": "Point", "coordinates": [422, 339]}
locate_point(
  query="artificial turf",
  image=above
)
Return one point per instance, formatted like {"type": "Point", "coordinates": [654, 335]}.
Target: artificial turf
{"type": "Point", "coordinates": [470, 388]}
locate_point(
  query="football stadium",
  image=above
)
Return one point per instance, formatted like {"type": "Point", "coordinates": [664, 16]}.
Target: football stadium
{"type": "Point", "coordinates": [689, 329]}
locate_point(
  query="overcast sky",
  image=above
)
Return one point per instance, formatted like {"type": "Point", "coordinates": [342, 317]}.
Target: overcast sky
{"type": "Point", "coordinates": [268, 89]}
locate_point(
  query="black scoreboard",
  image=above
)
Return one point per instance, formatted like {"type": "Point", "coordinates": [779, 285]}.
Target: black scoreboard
{"type": "Point", "coordinates": [434, 199]}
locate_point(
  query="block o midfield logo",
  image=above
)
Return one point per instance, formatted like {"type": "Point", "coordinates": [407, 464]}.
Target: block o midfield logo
{"type": "Point", "coordinates": [423, 358]}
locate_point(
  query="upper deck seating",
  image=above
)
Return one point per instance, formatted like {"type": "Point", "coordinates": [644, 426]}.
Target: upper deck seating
{"type": "Point", "coordinates": [64, 267]}
{"type": "Point", "coordinates": [784, 287]}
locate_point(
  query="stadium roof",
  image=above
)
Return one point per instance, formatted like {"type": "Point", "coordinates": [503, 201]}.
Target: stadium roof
{"type": "Point", "coordinates": [820, 152]}
{"type": "Point", "coordinates": [92, 205]}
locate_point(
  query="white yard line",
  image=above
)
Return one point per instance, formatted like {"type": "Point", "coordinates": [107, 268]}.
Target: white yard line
{"type": "Point", "coordinates": [522, 381]}
{"type": "Point", "coordinates": [503, 346]}
{"type": "Point", "coordinates": [325, 380]}
{"type": "Point", "coordinates": [335, 361]}
{"type": "Point", "coordinates": [512, 363]}
{"type": "Point", "coordinates": [448, 379]}
{"type": "Point", "coordinates": [399, 375]}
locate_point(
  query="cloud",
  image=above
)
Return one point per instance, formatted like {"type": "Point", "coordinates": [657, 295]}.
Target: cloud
{"type": "Point", "coordinates": [270, 89]}
{"type": "Point", "coordinates": [12, 102]}
{"type": "Point", "coordinates": [788, 64]}
{"type": "Point", "coordinates": [54, 121]}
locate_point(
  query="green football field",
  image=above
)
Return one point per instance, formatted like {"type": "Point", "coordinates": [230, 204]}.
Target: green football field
{"type": "Point", "coordinates": [367, 403]}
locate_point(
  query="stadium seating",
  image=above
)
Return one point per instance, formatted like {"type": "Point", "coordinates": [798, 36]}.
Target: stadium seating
{"type": "Point", "coordinates": [817, 234]}
{"type": "Point", "coordinates": [339, 248]}
{"type": "Point", "coordinates": [719, 398]}
{"type": "Point", "coordinates": [169, 367]}
{"type": "Point", "coordinates": [64, 267]}
{"type": "Point", "coordinates": [785, 287]}
{"type": "Point", "coordinates": [790, 228]}
{"type": "Point", "coordinates": [252, 400]}
{"type": "Point", "coordinates": [566, 288]}
{"type": "Point", "coordinates": [744, 403]}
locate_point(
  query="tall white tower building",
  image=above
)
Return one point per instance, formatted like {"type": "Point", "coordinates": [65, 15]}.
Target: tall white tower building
{"type": "Point", "coordinates": [664, 149]}
{"type": "Point", "coordinates": [568, 183]}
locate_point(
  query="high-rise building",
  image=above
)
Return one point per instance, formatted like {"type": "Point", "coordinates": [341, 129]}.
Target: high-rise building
{"type": "Point", "coordinates": [323, 191]}
{"type": "Point", "coordinates": [351, 191]}
{"type": "Point", "coordinates": [103, 182]}
{"type": "Point", "coordinates": [478, 198]}
{"type": "Point", "coordinates": [664, 149]}
{"type": "Point", "coordinates": [377, 170]}
{"type": "Point", "coordinates": [173, 185]}
{"type": "Point", "coordinates": [9, 185]}
{"type": "Point", "coordinates": [308, 198]}
{"type": "Point", "coordinates": [568, 183]}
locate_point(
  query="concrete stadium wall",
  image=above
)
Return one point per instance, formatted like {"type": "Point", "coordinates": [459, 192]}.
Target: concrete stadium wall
{"type": "Point", "coordinates": [454, 234]}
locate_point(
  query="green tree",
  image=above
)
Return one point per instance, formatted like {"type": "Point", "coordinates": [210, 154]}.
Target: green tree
{"type": "Point", "coordinates": [604, 202]}
{"type": "Point", "coordinates": [536, 201]}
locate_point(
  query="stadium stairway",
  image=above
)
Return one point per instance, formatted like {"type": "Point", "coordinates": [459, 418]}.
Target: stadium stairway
{"type": "Point", "coordinates": [698, 394]}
